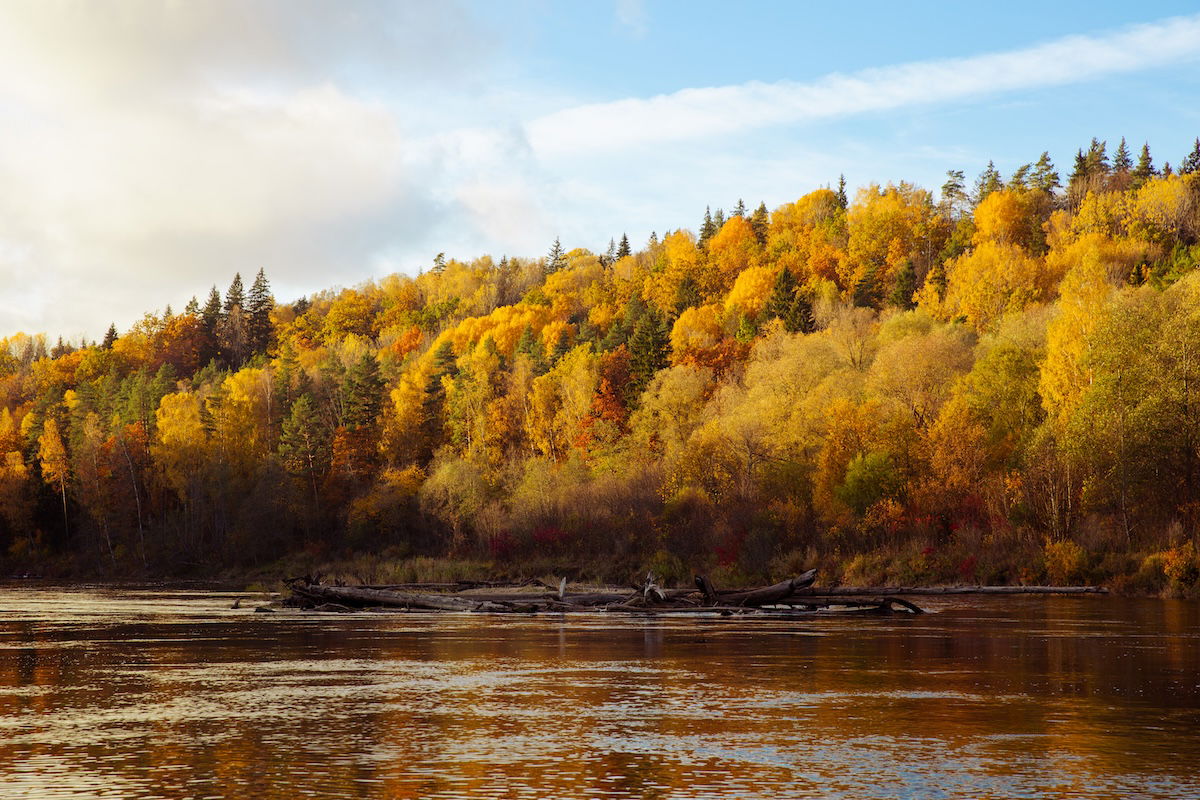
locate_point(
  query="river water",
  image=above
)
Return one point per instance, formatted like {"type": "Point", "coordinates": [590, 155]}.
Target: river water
{"type": "Point", "coordinates": [150, 694]}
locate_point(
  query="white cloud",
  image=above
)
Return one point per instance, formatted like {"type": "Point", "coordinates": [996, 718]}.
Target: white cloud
{"type": "Point", "coordinates": [701, 112]}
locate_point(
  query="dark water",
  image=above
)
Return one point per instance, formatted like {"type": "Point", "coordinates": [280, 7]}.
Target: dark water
{"type": "Point", "coordinates": [173, 695]}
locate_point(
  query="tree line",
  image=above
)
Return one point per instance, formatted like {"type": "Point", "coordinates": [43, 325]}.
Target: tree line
{"type": "Point", "coordinates": [999, 383]}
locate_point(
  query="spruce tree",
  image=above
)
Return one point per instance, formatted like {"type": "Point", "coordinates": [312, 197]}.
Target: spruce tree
{"type": "Point", "coordinates": [905, 286]}
{"type": "Point", "coordinates": [1097, 158]}
{"type": "Point", "coordinates": [779, 303]}
{"type": "Point", "coordinates": [1144, 170]}
{"type": "Point", "coordinates": [1191, 162]}
{"type": "Point", "coordinates": [760, 223]}
{"type": "Point", "coordinates": [235, 296]}
{"type": "Point", "coordinates": [530, 346]}
{"type": "Point", "coordinates": [562, 346]}
{"type": "Point", "coordinates": [1121, 159]}
{"type": "Point", "coordinates": [109, 337]}
{"type": "Point", "coordinates": [708, 227]}
{"type": "Point", "coordinates": [211, 314]}
{"type": "Point", "coordinates": [718, 221]}
{"type": "Point", "coordinates": [363, 393]}
{"type": "Point", "coordinates": [434, 404]}
{"type": "Point", "coordinates": [649, 347]}
{"type": "Point", "coordinates": [555, 259]}
{"type": "Point", "coordinates": [623, 248]}
{"type": "Point", "coordinates": [799, 317]}
{"type": "Point", "coordinates": [193, 307]}
{"type": "Point", "coordinates": [740, 209]}
{"type": "Point", "coordinates": [842, 200]}
{"type": "Point", "coordinates": [687, 295]}
{"type": "Point", "coordinates": [1020, 178]}
{"type": "Point", "coordinates": [259, 303]}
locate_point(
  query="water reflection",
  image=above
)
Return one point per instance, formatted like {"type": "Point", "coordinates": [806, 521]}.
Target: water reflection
{"type": "Point", "coordinates": [174, 695]}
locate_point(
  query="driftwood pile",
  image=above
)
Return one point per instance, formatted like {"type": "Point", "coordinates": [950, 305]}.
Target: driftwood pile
{"type": "Point", "coordinates": [792, 596]}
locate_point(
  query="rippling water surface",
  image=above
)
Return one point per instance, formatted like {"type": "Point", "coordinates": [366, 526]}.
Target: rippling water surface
{"type": "Point", "coordinates": [141, 694]}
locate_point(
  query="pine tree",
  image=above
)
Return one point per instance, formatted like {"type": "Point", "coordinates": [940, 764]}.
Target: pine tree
{"type": "Point", "coordinates": [610, 255]}
{"type": "Point", "coordinates": [235, 296]}
{"type": "Point", "coordinates": [718, 221]}
{"type": "Point", "coordinates": [530, 346]}
{"type": "Point", "coordinates": [988, 181]}
{"type": "Point", "coordinates": [954, 194]}
{"type": "Point", "coordinates": [740, 209]}
{"type": "Point", "coordinates": [760, 223]}
{"type": "Point", "coordinates": [1020, 178]}
{"type": "Point", "coordinates": [555, 260]}
{"type": "Point", "coordinates": [623, 248]}
{"type": "Point", "coordinates": [260, 303]}
{"type": "Point", "coordinates": [937, 277]}
{"type": "Point", "coordinates": [1144, 170]}
{"type": "Point", "coordinates": [439, 264]}
{"type": "Point", "coordinates": [109, 337]}
{"type": "Point", "coordinates": [687, 295]}
{"type": "Point", "coordinates": [905, 286]}
{"type": "Point", "coordinates": [304, 442]}
{"type": "Point", "coordinates": [842, 201]}
{"type": "Point", "coordinates": [1121, 159]}
{"type": "Point", "coordinates": [434, 405]}
{"type": "Point", "coordinates": [193, 307]}
{"type": "Point", "coordinates": [1097, 158]}
{"type": "Point", "coordinates": [1044, 177]}
{"type": "Point", "coordinates": [562, 346]}
{"type": "Point", "coordinates": [1191, 163]}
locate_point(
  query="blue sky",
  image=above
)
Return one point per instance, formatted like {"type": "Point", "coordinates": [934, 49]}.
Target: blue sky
{"type": "Point", "coordinates": [148, 149]}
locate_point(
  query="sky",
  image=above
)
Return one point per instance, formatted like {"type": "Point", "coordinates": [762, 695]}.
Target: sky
{"type": "Point", "coordinates": [151, 149]}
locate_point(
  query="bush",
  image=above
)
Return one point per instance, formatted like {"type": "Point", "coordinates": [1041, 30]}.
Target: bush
{"type": "Point", "coordinates": [1065, 561]}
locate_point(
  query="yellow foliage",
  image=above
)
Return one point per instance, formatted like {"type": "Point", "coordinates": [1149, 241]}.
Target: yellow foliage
{"type": "Point", "coordinates": [180, 441]}
{"type": "Point", "coordinates": [887, 227]}
{"type": "Point", "coordinates": [992, 280]}
{"type": "Point", "coordinates": [731, 250]}
{"type": "Point", "coordinates": [1012, 217]}
{"type": "Point", "coordinates": [751, 290]}
{"type": "Point", "coordinates": [1160, 209]}
{"type": "Point", "coordinates": [696, 328]}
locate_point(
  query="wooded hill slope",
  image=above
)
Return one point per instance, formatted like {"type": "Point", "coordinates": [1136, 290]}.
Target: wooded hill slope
{"type": "Point", "coordinates": [1002, 385]}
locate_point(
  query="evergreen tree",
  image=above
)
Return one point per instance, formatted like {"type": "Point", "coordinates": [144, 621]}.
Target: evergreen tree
{"type": "Point", "coordinates": [1144, 170]}
{"type": "Point", "coordinates": [304, 442]}
{"type": "Point", "coordinates": [1020, 178]}
{"type": "Point", "coordinates": [562, 346]}
{"type": "Point", "coordinates": [1121, 159]}
{"type": "Point", "coordinates": [168, 312]}
{"type": "Point", "coordinates": [530, 345]}
{"type": "Point", "coordinates": [211, 314]}
{"type": "Point", "coordinates": [555, 260]}
{"type": "Point", "coordinates": [760, 223]}
{"type": "Point", "coordinates": [866, 291]}
{"type": "Point", "coordinates": [842, 200]}
{"type": "Point", "coordinates": [439, 264]}
{"type": "Point", "coordinates": [109, 337]}
{"type": "Point", "coordinates": [905, 287]}
{"type": "Point", "coordinates": [260, 303]}
{"type": "Point", "coordinates": [740, 209]}
{"type": "Point", "coordinates": [610, 255]}
{"type": "Point", "coordinates": [988, 181]}
{"type": "Point", "coordinates": [799, 317]}
{"type": "Point", "coordinates": [235, 296]}
{"type": "Point", "coordinates": [434, 405]}
{"type": "Point", "coordinates": [1191, 163]}
{"type": "Point", "coordinates": [1044, 176]}
{"type": "Point", "coordinates": [363, 393]}
{"type": "Point", "coordinates": [192, 307]}
{"type": "Point", "coordinates": [623, 248]}
{"type": "Point", "coordinates": [687, 295]}
{"type": "Point", "coordinates": [747, 329]}
{"type": "Point", "coordinates": [954, 194]}
{"type": "Point", "coordinates": [779, 303]}
{"type": "Point", "coordinates": [937, 277]}
{"type": "Point", "coordinates": [1097, 158]}
{"type": "Point", "coordinates": [708, 227]}
{"type": "Point", "coordinates": [718, 221]}
{"type": "Point", "coordinates": [649, 347]}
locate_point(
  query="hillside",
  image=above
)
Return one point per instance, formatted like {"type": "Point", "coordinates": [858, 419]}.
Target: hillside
{"type": "Point", "coordinates": [1002, 385]}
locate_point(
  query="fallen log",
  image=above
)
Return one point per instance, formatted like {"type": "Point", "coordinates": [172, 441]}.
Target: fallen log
{"type": "Point", "coordinates": [358, 597]}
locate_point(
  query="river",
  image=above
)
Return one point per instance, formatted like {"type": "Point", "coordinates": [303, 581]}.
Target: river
{"type": "Point", "coordinates": [173, 694]}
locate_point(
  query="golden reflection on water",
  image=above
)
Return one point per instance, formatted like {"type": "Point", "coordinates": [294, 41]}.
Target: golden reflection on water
{"type": "Point", "coordinates": [174, 695]}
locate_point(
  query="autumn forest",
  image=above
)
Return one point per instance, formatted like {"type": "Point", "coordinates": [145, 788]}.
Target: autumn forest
{"type": "Point", "coordinates": [995, 382]}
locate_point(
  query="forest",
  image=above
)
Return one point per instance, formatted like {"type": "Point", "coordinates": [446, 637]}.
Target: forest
{"type": "Point", "coordinates": [996, 383]}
